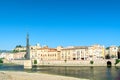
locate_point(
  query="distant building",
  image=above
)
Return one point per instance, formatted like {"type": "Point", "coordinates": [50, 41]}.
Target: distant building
{"type": "Point", "coordinates": [2, 55]}
{"type": "Point", "coordinates": [20, 48]}
{"type": "Point", "coordinates": [9, 56]}
{"type": "Point", "coordinates": [23, 48]}
{"type": "Point", "coordinates": [19, 55]}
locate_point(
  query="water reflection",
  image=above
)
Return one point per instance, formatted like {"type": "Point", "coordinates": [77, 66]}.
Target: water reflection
{"type": "Point", "coordinates": [118, 73]}
{"type": "Point", "coordinates": [8, 67]}
{"type": "Point", "coordinates": [108, 74]}
{"type": "Point", "coordinates": [92, 73]}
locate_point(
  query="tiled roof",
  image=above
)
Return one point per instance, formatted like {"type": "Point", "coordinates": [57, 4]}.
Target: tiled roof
{"type": "Point", "coordinates": [76, 47]}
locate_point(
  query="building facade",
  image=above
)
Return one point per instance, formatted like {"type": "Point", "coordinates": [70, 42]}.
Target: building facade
{"type": "Point", "coordinates": [113, 51]}
{"type": "Point", "coordinates": [96, 52]}
{"type": "Point", "coordinates": [74, 53]}
{"type": "Point", "coordinates": [45, 54]}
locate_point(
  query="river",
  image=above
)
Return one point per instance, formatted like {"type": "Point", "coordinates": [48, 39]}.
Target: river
{"type": "Point", "coordinates": [92, 73]}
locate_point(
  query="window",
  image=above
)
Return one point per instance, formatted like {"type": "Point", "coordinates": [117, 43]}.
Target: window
{"type": "Point", "coordinates": [78, 52]}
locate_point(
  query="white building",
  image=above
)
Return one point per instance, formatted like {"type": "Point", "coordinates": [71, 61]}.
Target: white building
{"type": "Point", "coordinates": [74, 53]}
{"type": "Point", "coordinates": [113, 50]}
{"type": "Point", "coordinates": [96, 52]}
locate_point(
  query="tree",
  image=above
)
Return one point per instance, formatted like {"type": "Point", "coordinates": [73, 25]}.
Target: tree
{"type": "Point", "coordinates": [117, 61]}
{"type": "Point", "coordinates": [1, 60]}
{"type": "Point", "coordinates": [113, 56]}
{"type": "Point", "coordinates": [107, 48]}
{"type": "Point", "coordinates": [35, 61]}
{"type": "Point", "coordinates": [18, 46]}
{"type": "Point", "coordinates": [107, 56]}
{"type": "Point", "coordinates": [118, 46]}
{"type": "Point", "coordinates": [91, 62]}
{"type": "Point", "coordinates": [15, 51]}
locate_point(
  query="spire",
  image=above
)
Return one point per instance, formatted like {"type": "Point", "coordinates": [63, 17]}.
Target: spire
{"type": "Point", "coordinates": [27, 48]}
{"type": "Point", "coordinates": [27, 42]}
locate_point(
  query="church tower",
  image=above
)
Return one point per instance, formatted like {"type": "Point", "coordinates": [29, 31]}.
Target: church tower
{"type": "Point", "coordinates": [27, 48]}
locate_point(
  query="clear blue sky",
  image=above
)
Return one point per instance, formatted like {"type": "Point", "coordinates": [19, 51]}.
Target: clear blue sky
{"type": "Point", "coordinates": [59, 22]}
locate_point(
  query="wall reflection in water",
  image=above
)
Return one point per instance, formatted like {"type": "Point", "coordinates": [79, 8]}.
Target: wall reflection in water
{"type": "Point", "coordinates": [92, 73]}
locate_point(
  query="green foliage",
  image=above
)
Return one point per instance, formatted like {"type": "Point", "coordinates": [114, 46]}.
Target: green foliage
{"type": "Point", "coordinates": [107, 56]}
{"type": "Point", "coordinates": [107, 48]}
{"type": "Point", "coordinates": [22, 51]}
{"type": "Point", "coordinates": [65, 61]}
{"type": "Point", "coordinates": [117, 61]}
{"type": "Point", "coordinates": [35, 61]}
{"type": "Point", "coordinates": [16, 51]}
{"type": "Point", "coordinates": [113, 56]}
{"type": "Point", "coordinates": [1, 60]}
{"type": "Point", "coordinates": [18, 46]}
{"type": "Point", "coordinates": [91, 62]}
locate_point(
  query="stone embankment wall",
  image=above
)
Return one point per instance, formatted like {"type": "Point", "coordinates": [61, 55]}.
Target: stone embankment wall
{"type": "Point", "coordinates": [20, 62]}
{"type": "Point", "coordinates": [76, 63]}
{"type": "Point", "coordinates": [68, 63]}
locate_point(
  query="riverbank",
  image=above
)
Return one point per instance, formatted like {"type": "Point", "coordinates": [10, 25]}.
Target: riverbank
{"type": "Point", "coordinates": [71, 63]}
{"type": "Point", "coordinates": [11, 75]}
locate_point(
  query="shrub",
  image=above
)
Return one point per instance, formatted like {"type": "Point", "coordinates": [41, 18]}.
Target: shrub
{"type": "Point", "coordinates": [91, 62]}
{"type": "Point", "coordinates": [117, 61]}
{"type": "Point", "coordinates": [107, 56]}
{"type": "Point", "coordinates": [113, 56]}
{"type": "Point", "coordinates": [65, 61]}
{"type": "Point", "coordinates": [15, 51]}
{"type": "Point", "coordinates": [1, 61]}
{"type": "Point", "coordinates": [35, 61]}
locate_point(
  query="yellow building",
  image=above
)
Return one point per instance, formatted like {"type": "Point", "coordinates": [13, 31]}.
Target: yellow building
{"type": "Point", "coordinates": [45, 54]}
{"type": "Point", "coordinates": [96, 52]}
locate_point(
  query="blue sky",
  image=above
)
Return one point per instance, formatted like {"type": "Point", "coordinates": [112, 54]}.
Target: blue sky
{"type": "Point", "coordinates": [59, 22]}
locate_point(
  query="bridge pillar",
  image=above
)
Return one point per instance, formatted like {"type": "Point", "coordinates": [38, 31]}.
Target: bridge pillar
{"type": "Point", "coordinates": [27, 64]}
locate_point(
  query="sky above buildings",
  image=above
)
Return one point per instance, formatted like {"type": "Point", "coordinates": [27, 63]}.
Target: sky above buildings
{"type": "Point", "coordinates": [59, 22]}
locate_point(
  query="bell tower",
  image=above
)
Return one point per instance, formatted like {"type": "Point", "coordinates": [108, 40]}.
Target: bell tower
{"type": "Point", "coordinates": [27, 48]}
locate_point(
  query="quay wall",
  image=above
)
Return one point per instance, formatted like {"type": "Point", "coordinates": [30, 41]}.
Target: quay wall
{"type": "Point", "coordinates": [19, 62]}
{"type": "Point", "coordinates": [68, 63]}
{"type": "Point", "coordinates": [76, 63]}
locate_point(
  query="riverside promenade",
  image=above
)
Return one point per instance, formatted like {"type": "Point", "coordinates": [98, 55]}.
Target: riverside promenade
{"type": "Point", "coordinates": [6, 75]}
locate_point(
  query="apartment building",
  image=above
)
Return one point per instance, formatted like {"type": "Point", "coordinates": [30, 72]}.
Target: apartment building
{"type": "Point", "coordinates": [96, 52]}
{"type": "Point", "coordinates": [19, 55]}
{"type": "Point", "coordinates": [113, 50]}
{"type": "Point", "coordinates": [74, 53]}
{"type": "Point", "coordinates": [45, 53]}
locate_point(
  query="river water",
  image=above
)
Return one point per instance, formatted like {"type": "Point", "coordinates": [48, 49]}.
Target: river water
{"type": "Point", "coordinates": [92, 73]}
